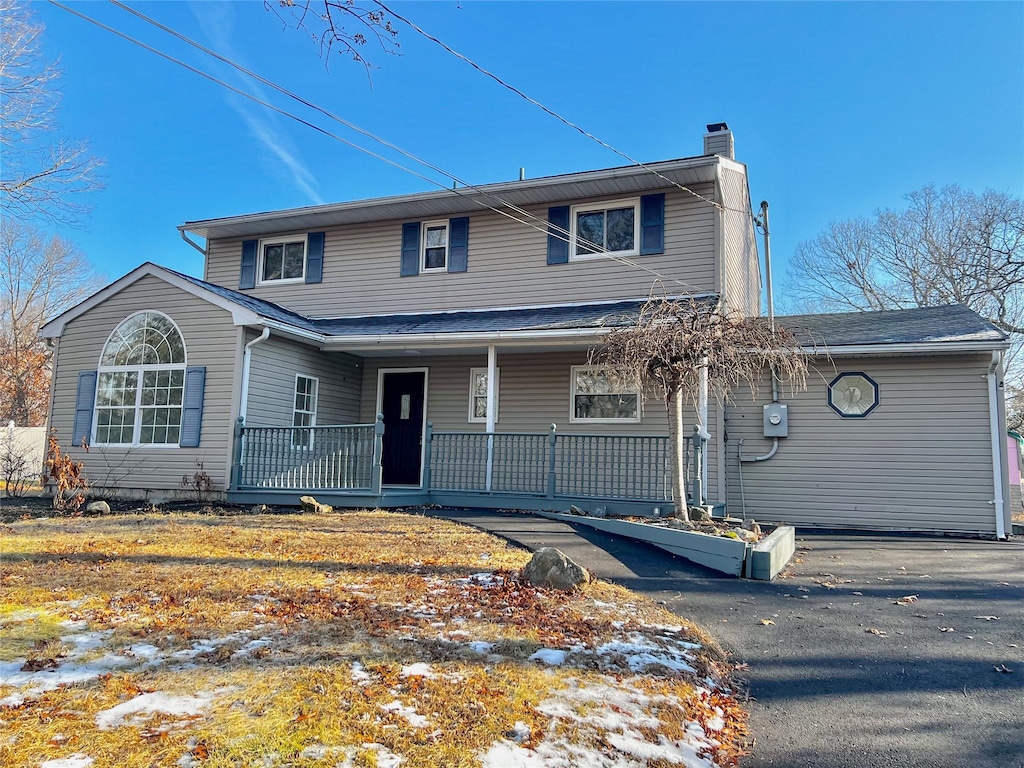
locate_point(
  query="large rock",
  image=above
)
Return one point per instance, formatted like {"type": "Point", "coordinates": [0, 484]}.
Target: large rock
{"type": "Point", "coordinates": [97, 508]}
{"type": "Point", "coordinates": [550, 568]}
{"type": "Point", "coordinates": [312, 506]}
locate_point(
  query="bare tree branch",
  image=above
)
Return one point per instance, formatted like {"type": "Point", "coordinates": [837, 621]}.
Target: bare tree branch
{"type": "Point", "coordinates": [329, 23]}
{"type": "Point", "coordinates": [43, 174]}
{"type": "Point", "coordinates": [40, 277]}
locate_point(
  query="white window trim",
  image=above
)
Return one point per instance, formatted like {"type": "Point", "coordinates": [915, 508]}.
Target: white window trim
{"type": "Point", "coordinates": [604, 206]}
{"type": "Point", "coordinates": [280, 241]}
{"type": "Point", "coordinates": [312, 413]}
{"type": "Point", "coordinates": [423, 245]}
{"type": "Point", "coordinates": [574, 419]}
{"type": "Point", "coordinates": [139, 369]}
{"type": "Point", "coordinates": [497, 383]}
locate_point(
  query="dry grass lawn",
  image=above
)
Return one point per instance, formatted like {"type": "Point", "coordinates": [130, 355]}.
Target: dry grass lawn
{"type": "Point", "coordinates": [355, 639]}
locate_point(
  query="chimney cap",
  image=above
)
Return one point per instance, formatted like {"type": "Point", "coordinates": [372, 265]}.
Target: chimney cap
{"type": "Point", "coordinates": [716, 127]}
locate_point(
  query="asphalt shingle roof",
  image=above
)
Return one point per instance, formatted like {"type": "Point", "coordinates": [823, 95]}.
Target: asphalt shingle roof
{"type": "Point", "coordinates": [952, 323]}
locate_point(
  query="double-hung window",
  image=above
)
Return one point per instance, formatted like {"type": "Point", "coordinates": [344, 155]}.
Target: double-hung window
{"type": "Point", "coordinates": [141, 383]}
{"type": "Point", "coordinates": [597, 397]}
{"type": "Point", "coordinates": [282, 260]}
{"type": "Point", "coordinates": [478, 394]}
{"type": "Point", "coordinates": [434, 255]}
{"type": "Point", "coordinates": [598, 228]}
{"type": "Point", "coordinates": [304, 413]}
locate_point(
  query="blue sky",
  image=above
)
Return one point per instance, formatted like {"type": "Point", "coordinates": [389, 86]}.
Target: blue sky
{"type": "Point", "coordinates": [837, 108]}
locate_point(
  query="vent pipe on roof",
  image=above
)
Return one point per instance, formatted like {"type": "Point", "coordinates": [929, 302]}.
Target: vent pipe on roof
{"type": "Point", "coordinates": [718, 141]}
{"type": "Point", "coordinates": [522, 173]}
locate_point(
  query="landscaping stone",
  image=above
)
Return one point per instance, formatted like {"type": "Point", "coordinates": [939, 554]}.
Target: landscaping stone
{"type": "Point", "coordinates": [312, 506]}
{"type": "Point", "coordinates": [599, 512]}
{"type": "Point", "coordinates": [552, 569]}
{"type": "Point", "coordinates": [679, 524]}
{"type": "Point", "coordinates": [261, 509]}
{"type": "Point", "coordinates": [698, 514]}
{"type": "Point", "coordinates": [574, 510]}
{"type": "Point", "coordinates": [744, 535]}
{"type": "Point", "coordinates": [97, 508]}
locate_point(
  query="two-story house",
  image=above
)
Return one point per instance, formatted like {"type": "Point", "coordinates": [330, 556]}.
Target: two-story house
{"type": "Point", "coordinates": [433, 347]}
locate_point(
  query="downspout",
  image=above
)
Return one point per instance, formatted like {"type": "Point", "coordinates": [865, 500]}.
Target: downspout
{"type": "Point", "coordinates": [243, 407]}
{"type": "Point", "coordinates": [193, 243]}
{"type": "Point", "coordinates": [997, 438]}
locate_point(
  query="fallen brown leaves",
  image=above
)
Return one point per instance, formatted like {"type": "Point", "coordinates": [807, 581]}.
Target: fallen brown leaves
{"type": "Point", "coordinates": [305, 628]}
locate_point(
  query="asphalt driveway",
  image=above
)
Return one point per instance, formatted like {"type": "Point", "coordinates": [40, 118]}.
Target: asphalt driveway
{"type": "Point", "coordinates": [843, 671]}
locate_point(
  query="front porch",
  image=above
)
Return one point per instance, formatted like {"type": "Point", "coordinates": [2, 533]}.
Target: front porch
{"type": "Point", "coordinates": [343, 465]}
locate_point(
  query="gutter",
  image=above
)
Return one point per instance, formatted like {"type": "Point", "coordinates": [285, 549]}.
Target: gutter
{"type": "Point", "coordinates": [909, 348]}
{"type": "Point", "coordinates": [399, 341]}
{"type": "Point", "coordinates": [997, 438]}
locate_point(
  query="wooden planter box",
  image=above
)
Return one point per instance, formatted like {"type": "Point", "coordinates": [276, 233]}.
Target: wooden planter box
{"type": "Point", "coordinates": [761, 561]}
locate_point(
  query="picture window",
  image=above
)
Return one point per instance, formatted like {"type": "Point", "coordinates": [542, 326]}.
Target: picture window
{"type": "Point", "coordinates": [596, 397]}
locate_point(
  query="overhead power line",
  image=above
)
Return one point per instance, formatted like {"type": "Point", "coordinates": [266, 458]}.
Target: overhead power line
{"type": "Point", "coordinates": [552, 112]}
{"type": "Point", "coordinates": [546, 227]}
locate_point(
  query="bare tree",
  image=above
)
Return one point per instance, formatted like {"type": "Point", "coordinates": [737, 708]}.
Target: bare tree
{"type": "Point", "coordinates": [43, 173]}
{"type": "Point", "coordinates": [674, 344]}
{"type": "Point", "coordinates": [330, 23]}
{"type": "Point", "coordinates": [40, 276]}
{"type": "Point", "coordinates": [948, 246]}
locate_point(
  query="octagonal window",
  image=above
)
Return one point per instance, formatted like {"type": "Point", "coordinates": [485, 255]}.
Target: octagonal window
{"type": "Point", "coordinates": [853, 395]}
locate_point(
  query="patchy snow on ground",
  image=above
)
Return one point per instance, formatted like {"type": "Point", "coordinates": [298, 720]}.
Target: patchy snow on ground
{"type": "Point", "coordinates": [641, 652]}
{"type": "Point", "coordinates": [419, 669]}
{"type": "Point", "coordinates": [135, 711]}
{"type": "Point", "coordinates": [616, 716]}
{"type": "Point", "coordinates": [77, 760]}
{"type": "Point", "coordinates": [409, 714]}
{"type": "Point", "coordinates": [551, 656]}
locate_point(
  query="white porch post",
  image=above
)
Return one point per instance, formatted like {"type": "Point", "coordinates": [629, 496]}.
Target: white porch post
{"type": "Point", "coordinates": [702, 419]}
{"type": "Point", "coordinates": [492, 375]}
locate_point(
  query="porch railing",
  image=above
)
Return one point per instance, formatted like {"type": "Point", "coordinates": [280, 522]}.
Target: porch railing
{"type": "Point", "coordinates": [309, 458]}
{"type": "Point", "coordinates": [606, 466]}
{"type": "Point", "coordinates": [348, 458]}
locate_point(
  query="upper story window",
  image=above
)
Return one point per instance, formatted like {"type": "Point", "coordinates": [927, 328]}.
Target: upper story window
{"type": "Point", "coordinates": [282, 260]}
{"type": "Point", "coordinates": [612, 227]}
{"type": "Point", "coordinates": [141, 382]}
{"type": "Point", "coordinates": [435, 246]}
{"type": "Point", "coordinates": [596, 397]}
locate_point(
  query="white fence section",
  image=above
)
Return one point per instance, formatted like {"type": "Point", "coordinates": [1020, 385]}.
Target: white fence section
{"type": "Point", "coordinates": [26, 442]}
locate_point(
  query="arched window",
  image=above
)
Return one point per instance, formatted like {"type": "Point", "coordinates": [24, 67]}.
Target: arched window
{"type": "Point", "coordinates": [141, 383]}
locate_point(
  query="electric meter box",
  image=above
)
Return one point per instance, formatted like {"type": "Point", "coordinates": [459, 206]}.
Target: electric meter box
{"type": "Point", "coordinates": [776, 420]}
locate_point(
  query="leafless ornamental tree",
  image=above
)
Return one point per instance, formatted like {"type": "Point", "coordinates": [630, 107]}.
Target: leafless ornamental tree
{"type": "Point", "coordinates": [42, 172]}
{"type": "Point", "coordinates": [670, 344]}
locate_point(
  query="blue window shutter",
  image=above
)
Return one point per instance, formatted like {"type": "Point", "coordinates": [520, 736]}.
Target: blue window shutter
{"type": "Point", "coordinates": [652, 224]}
{"type": "Point", "coordinates": [410, 249]}
{"type": "Point", "coordinates": [247, 275]}
{"type": "Point", "coordinates": [315, 257]}
{"type": "Point", "coordinates": [192, 406]}
{"type": "Point", "coordinates": [83, 407]}
{"type": "Point", "coordinates": [458, 244]}
{"type": "Point", "coordinates": [558, 244]}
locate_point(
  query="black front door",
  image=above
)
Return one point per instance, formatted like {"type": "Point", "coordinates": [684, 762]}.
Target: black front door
{"type": "Point", "coordinates": [402, 406]}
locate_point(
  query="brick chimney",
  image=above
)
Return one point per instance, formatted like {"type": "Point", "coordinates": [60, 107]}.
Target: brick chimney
{"type": "Point", "coordinates": [718, 141]}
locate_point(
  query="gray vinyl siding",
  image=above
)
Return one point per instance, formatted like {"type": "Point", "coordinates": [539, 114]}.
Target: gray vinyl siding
{"type": "Point", "coordinates": [533, 393]}
{"type": "Point", "coordinates": [922, 460]}
{"type": "Point", "coordinates": [742, 270]}
{"type": "Point", "coordinates": [272, 370]}
{"type": "Point", "coordinates": [507, 267]}
{"type": "Point", "coordinates": [211, 340]}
